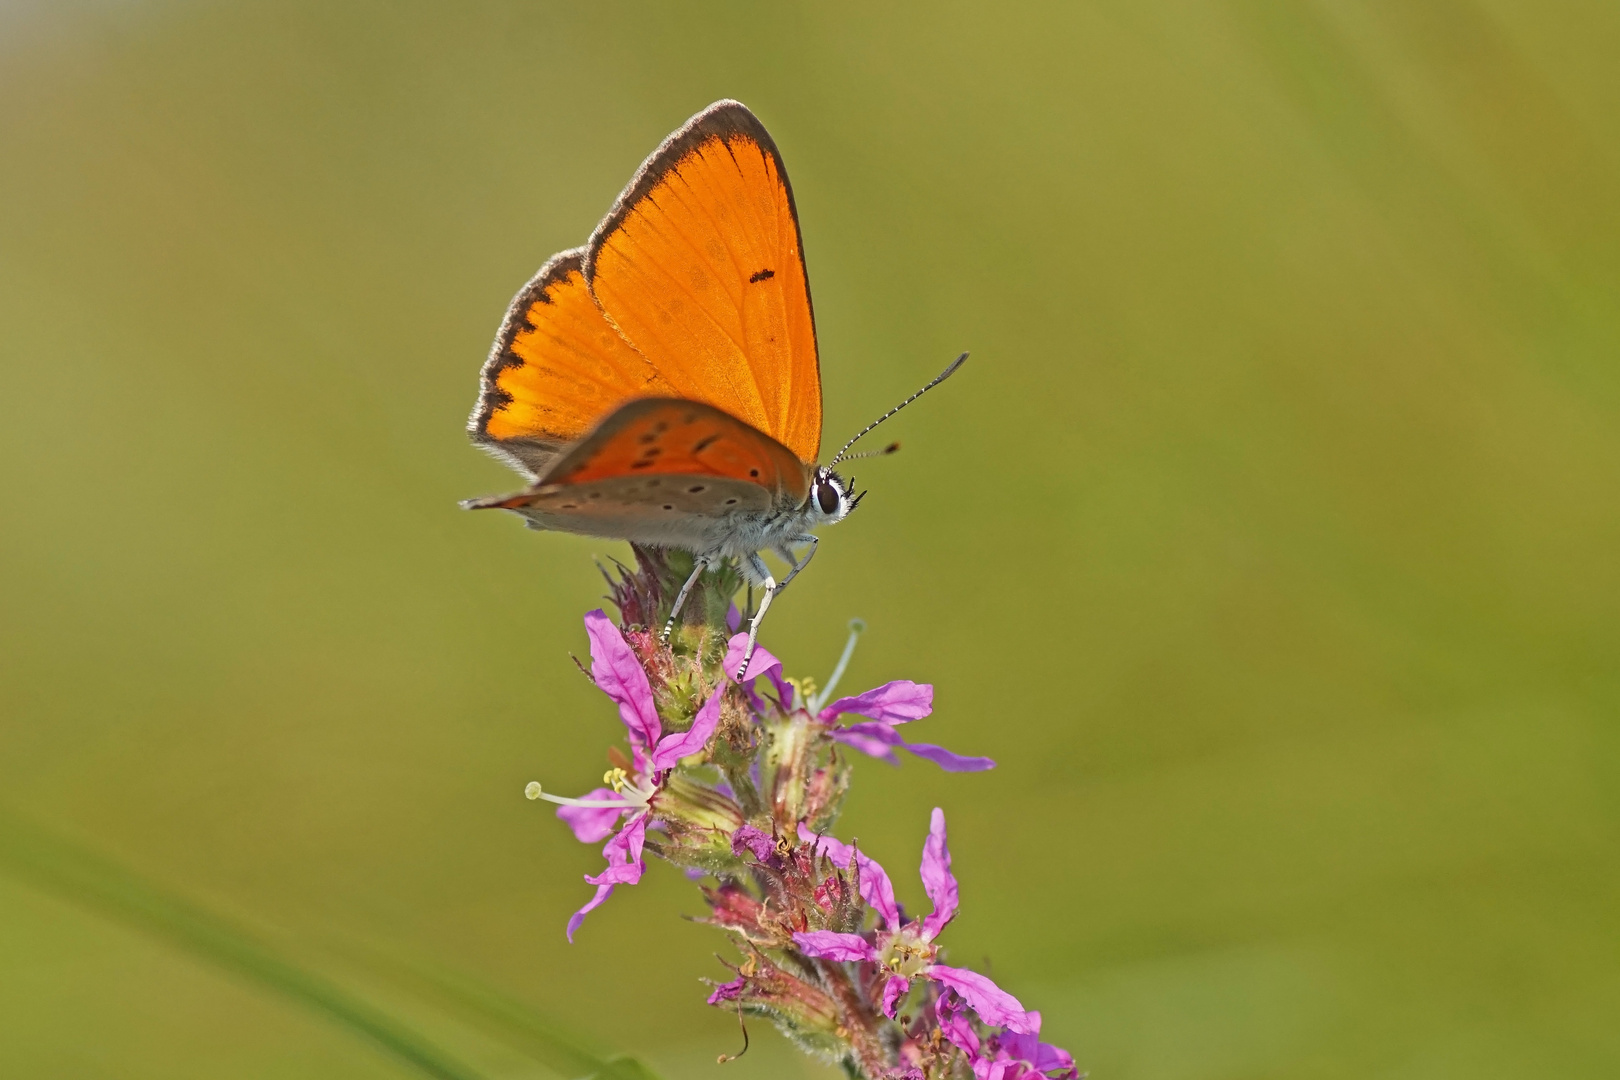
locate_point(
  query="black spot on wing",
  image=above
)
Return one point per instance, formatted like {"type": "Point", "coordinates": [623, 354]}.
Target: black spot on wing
{"type": "Point", "coordinates": [761, 275]}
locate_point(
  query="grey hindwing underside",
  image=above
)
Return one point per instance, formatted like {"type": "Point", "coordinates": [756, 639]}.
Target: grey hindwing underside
{"type": "Point", "coordinates": [691, 512]}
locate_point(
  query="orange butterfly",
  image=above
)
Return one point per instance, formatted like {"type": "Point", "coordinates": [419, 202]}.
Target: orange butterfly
{"type": "Point", "coordinates": [661, 384]}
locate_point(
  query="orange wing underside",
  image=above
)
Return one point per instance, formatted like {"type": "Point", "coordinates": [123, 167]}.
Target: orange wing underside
{"type": "Point", "coordinates": [693, 287]}
{"type": "Point", "coordinates": [559, 366]}
{"type": "Point", "coordinates": [704, 275]}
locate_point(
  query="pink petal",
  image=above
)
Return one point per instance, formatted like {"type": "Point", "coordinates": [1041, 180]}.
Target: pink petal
{"type": "Point", "coordinates": [784, 689]}
{"type": "Point", "coordinates": [592, 823]}
{"type": "Point", "coordinates": [891, 703]}
{"type": "Point", "coordinates": [620, 676]}
{"type": "Point", "coordinates": [762, 662]}
{"type": "Point", "coordinates": [674, 747]}
{"type": "Point", "coordinates": [626, 873]}
{"type": "Point", "coordinates": [870, 729]}
{"type": "Point", "coordinates": [893, 990]}
{"type": "Point", "coordinates": [829, 945]}
{"type": "Point", "coordinates": [957, 1027]}
{"type": "Point", "coordinates": [1042, 1057]}
{"type": "Point", "coordinates": [1049, 1058]}
{"type": "Point", "coordinates": [748, 838]}
{"type": "Point", "coordinates": [948, 761]}
{"type": "Point", "coordinates": [625, 867]}
{"type": "Point", "coordinates": [869, 742]}
{"type": "Point", "coordinates": [877, 739]}
{"type": "Point", "coordinates": [994, 1005]}
{"type": "Point", "coordinates": [876, 889]}
{"type": "Point", "coordinates": [623, 854]}
{"type": "Point", "coordinates": [1018, 1047]}
{"type": "Point", "coordinates": [730, 991]}
{"type": "Point", "coordinates": [602, 893]}
{"type": "Point", "coordinates": [938, 880]}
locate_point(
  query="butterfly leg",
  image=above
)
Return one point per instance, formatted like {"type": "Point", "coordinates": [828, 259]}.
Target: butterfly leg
{"type": "Point", "coordinates": [785, 550]}
{"type": "Point", "coordinates": [700, 563]}
{"type": "Point", "coordinates": [763, 573]}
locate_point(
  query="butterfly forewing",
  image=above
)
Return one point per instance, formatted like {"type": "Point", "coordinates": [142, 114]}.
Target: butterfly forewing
{"type": "Point", "coordinates": [701, 268]}
{"type": "Point", "coordinates": [557, 367]}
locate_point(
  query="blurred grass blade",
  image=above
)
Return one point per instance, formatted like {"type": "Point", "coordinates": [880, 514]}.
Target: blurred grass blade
{"type": "Point", "coordinates": [496, 1013]}
{"type": "Point", "coordinates": [625, 1068]}
{"type": "Point", "coordinates": [82, 877]}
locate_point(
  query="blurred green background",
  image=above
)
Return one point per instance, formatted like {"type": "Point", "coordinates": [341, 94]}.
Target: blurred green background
{"type": "Point", "coordinates": [1269, 540]}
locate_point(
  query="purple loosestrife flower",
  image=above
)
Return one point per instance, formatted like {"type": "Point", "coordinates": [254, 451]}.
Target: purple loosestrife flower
{"type": "Point", "coordinates": [907, 951]}
{"type": "Point", "coordinates": [619, 674]}
{"type": "Point", "coordinates": [748, 838]}
{"type": "Point", "coordinates": [744, 798]}
{"type": "Point", "coordinates": [1003, 1055]}
{"type": "Point", "coordinates": [885, 708]}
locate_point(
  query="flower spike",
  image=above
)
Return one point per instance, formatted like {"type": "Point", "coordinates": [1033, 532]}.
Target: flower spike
{"type": "Point", "coordinates": [740, 789]}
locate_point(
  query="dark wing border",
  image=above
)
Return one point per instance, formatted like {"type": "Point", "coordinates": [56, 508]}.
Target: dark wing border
{"type": "Point", "coordinates": [501, 357]}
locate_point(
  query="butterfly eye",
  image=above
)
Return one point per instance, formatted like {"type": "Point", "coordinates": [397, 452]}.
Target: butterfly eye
{"type": "Point", "coordinates": [827, 498]}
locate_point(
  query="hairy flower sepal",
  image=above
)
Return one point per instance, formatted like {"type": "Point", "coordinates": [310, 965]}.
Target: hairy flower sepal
{"type": "Point", "coordinates": [806, 1013]}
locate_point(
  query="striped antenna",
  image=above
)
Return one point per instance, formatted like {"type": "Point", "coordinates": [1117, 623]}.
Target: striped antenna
{"type": "Point", "coordinates": [892, 448]}
{"type": "Point", "coordinates": [941, 377]}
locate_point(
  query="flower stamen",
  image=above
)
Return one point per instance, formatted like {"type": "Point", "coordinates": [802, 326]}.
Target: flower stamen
{"type": "Point", "coordinates": [533, 791]}
{"type": "Point", "coordinates": [819, 701]}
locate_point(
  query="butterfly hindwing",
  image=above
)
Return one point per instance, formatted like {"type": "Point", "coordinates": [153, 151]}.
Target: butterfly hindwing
{"type": "Point", "coordinates": [669, 436]}
{"type": "Point", "coordinates": [644, 510]}
{"type": "Point", "coordinates": [700, 267]}
{"type": "Point", "coordinates": [661, 470]}
{"type": "Point", "coordinates": [557, 367]}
